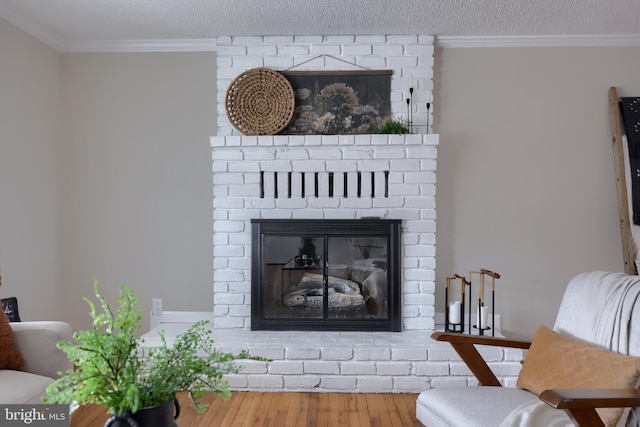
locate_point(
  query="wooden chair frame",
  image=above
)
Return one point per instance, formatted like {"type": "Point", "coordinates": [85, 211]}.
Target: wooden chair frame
{"type": "Point", "coordinates": [580, 404]}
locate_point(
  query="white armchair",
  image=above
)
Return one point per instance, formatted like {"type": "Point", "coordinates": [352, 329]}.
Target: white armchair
{"type": "Point", "coordinates": [37, 341]}
{"type": "Point", "coordinates": [597, 308]}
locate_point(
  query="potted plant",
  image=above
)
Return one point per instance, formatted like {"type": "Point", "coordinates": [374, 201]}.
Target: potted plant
{"type": "Point", "coordinates": [111, 369]}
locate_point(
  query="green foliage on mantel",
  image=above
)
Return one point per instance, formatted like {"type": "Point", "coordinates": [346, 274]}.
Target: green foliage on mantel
{"type": "Point", "coordinates": [395, 126]}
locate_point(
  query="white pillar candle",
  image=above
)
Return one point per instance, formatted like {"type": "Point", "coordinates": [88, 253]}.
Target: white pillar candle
{"type": "Point", "coordinates": [482, 317]}
{"type": "Point", "coordinates": [455, 313]}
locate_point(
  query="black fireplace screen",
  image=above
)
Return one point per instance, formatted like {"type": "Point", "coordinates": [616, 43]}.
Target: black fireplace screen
{"type": "Point", "coordinates": [325, 275]}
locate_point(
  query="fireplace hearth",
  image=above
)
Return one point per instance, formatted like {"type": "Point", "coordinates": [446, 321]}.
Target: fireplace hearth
{"type": "Point", "coordinates": [325, 275]}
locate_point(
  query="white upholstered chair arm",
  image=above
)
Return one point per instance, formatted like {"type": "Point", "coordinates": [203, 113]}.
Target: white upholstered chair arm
{"type": "Point", "coordinates": [38, 341]}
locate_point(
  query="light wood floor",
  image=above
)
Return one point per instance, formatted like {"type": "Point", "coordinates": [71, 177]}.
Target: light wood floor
{"type": "Point", "coordinates": [286, 410]}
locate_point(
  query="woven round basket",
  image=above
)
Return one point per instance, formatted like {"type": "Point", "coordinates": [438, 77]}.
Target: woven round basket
{"type": "Point", "coordinates": [260, 102]}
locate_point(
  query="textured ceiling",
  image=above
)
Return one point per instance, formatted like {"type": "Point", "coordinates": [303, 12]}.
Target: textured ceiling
{"type": "Point", "coordinates": [108, 20]}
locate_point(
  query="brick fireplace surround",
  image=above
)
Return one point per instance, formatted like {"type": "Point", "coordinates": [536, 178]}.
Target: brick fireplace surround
{"type": "Point", "coordinates": [403, 362]}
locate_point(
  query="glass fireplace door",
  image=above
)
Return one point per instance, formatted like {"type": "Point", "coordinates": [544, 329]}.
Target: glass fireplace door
{"type": "Point", "coordinates": [293, 272]}
{"type": "Point", "coordinates": [325, 275]}
{"type": "Point", "coordinates": [357, 277]}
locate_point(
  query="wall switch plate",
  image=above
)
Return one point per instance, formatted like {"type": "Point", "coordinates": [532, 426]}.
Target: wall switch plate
{"type": "Point", "coordinates": [156, 306]}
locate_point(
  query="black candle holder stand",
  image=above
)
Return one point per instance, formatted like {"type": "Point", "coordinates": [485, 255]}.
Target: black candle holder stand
{"type": "Point", "coordinates": [482, 274]}
{"type": "Point", "coordinates": [448, 325]}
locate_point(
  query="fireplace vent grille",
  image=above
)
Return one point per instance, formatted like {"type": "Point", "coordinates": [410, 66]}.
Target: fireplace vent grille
{"type": "Point", "coordinates": [324, 184]}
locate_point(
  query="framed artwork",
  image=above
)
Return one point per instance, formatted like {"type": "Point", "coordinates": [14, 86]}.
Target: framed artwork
{"type": "Point", "coordinates": [339, 102]}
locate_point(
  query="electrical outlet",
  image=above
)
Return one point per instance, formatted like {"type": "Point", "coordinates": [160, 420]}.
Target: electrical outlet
{"type": "Point", "coordinates": [156, 307]}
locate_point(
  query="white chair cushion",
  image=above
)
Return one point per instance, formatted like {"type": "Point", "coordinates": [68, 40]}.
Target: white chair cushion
{"type": "Point", "coordinates": [22, 387]}
{"type": "Point", "coordinates": [467, 406]}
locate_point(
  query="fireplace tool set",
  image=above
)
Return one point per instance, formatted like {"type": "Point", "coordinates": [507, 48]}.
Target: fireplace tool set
{"type": "Point", "coordinates": [455, 308]}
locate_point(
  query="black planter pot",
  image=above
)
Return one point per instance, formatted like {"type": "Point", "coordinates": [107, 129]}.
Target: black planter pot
{"type": "Point", "coordinates": [152, 416]}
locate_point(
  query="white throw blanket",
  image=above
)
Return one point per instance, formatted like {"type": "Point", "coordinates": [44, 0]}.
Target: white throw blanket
{"type": "Point", "coordinates": [537, 414]}
{"type": "Point", "coordinates": [607, 301]}
{"type": "Point", "coordinates": [584, 316]}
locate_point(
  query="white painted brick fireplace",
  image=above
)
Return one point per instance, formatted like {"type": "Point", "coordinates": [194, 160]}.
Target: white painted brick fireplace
{"type": "Point", "coordinates": [400, 362]}
{"type": "Point", "coordinates": [240, 164]}
{"type": "Point", "coordinates": [244, 168]}
{"type": "Point", "coordinates": [244, 171]}
{"type": "Point", "coordinates": [409, 160]}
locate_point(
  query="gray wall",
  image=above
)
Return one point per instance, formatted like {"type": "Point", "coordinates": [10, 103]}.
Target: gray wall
{"type": "Point", "coordinates": [29, 188]}
{"type": "Point", "coordinates": [136, 178]}
{"type": "Point", "coordinates": [526, 184]}
{"type": "Point", "coordinates": [105, 173]}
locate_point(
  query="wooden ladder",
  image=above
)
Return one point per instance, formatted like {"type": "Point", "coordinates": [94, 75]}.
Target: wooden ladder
{"type": "Point", "coordinates": [628, 246]}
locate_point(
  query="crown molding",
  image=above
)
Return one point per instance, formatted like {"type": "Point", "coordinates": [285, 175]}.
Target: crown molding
{"type": "Point", "coordinates": [29, 25]}
{"type": "Point", "coordinates": [204, 45]}
{"type": "Point", "coordinates": [539, 41]}
{"type": "Point", "coordinates": [175, 45]}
